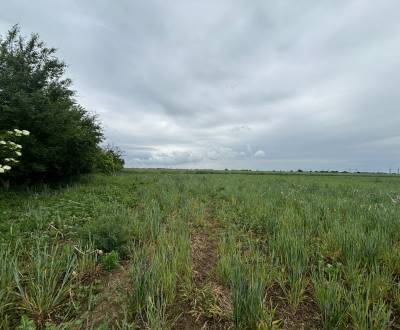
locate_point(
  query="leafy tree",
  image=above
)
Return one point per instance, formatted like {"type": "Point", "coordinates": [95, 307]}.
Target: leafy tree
{"type": "Point", "coordinates": [36, 96]}
{"type": "Point", "coordinates": [110, 160]}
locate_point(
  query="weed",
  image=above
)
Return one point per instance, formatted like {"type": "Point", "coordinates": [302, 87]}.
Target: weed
{"type": "Point", "coordinates": [110, 260]}
{"type": "Point", "coordinates": [43, 291]}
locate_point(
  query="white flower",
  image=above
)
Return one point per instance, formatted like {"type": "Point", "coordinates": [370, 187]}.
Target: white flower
{"type": "Point", "coordinates": [25, 132]}
{"type": "Point", "coordinates": [1, 170]}
{"type": "Point", "coordinates": [3, 142]}
{"type": "Point", "coordinates": [18, 153]}
{"type": "Point", "coordinates": [7, 168]}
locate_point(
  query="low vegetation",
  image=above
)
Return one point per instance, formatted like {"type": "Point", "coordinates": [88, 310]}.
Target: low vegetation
{"type": "Point", "coordinates": [145, 249]}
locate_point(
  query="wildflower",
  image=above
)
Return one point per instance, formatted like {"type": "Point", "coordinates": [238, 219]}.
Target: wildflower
{"type": "Point", "coordinates": [25, 132]}
{"type": "Point", "coordinates": [7, 168]}
{"type": "Point", "coordinates": [14, 145]}
{"type": "Point", "coordinates": [18, 153]}
{"type": "Point", "coordinates": [3, 142]}
{"type": "Point", "coordinates": [2, 170]}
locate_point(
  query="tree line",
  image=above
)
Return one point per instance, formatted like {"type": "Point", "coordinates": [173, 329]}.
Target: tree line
{"type": "Point", "coordinates": [60, 137]}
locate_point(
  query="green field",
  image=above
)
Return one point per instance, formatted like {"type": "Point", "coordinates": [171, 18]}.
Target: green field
{"type": "Point", "coordinates": [190, 250]}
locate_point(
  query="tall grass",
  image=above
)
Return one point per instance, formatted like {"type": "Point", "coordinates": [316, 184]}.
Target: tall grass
{"type": "Point", "coordinates": [7, 285]}
{"type": "Point", "coordinates": [44, 289]}
{"type": "Point", "coordinates": [158, 272]}
{"type": "Point", "coordinates": [287, 242]}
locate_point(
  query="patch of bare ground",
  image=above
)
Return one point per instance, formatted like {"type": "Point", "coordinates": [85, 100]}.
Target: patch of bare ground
{"type": "Point", "coordinates": [208, 300]}
{"type": "Point", "coordinates": [305, 317]}
{"type": "Point", "coordinates": [108, 308]}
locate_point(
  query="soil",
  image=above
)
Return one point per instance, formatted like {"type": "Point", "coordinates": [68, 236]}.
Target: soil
{"type": "Point", "coordinates": [109, 306]}
{"type": "Point", "coordinates": [204, 245]}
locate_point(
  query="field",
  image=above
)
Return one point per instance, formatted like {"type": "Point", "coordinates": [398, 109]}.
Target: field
{"type": "Point", "coordinates": [191, 250]}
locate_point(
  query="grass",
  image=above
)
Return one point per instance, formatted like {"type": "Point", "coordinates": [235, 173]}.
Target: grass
{"type": "Point", "coordinates": [295, 250]}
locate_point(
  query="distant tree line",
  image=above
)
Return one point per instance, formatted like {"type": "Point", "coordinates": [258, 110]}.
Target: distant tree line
{"type": "Point", "coordinates": [36, 97]}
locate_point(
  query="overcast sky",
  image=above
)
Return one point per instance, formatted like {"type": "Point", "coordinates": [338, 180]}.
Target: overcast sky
{"type": "Point", "coordinates": [232, 84]}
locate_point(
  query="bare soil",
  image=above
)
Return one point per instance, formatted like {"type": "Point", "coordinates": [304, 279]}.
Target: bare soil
{"type": "Point", "coordinates": [109, 307]}
{"type": "Point", "coordinates": [204, 245]}
{"type": "Point", "coordinates": [306, 315]}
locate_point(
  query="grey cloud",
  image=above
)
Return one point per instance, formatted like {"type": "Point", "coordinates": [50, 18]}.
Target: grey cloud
{"type": "Point", "coordinates": [260, 154]}
{"type": "Point", "coordinates": [312, 84]}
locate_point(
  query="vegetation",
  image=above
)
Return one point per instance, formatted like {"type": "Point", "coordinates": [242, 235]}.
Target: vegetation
{"type": "Point", "coordinates": [159, 250]}
{"type": "Point", "coordinates": [35, 96]}
{"type": "Point", "coordinates": [110, 160]}
{"type": "Point", "coordinates": [10, 151]}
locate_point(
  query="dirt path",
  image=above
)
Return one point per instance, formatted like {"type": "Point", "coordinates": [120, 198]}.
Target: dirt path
{"type": "Point", "coordinates": [204, 242]}
{"type": "Point", "coordinates": [108, 309]}
{"type": "Point", "coordinates": [204, 246]}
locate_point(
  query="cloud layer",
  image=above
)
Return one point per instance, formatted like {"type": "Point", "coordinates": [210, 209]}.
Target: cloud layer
{"type": "Point", "coordinates": [214, 84]}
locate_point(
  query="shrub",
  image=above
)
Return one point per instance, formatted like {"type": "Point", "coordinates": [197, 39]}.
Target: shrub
{"type": "Point", "coordinates": [110, 160]}
{"type": "Point", "coordinates": [36, 96]}
{"type": "Point", "coordinates": [109, 233]}
{"type": "Point", "coordinates": [110, 260]}
{"type": "Point", "coordinates": [10, 151]}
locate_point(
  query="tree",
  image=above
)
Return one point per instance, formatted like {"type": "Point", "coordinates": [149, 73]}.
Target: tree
{"type": "Point", "coordinates": [110, 160]}
{"type": "Point", "coordinates": [36, 96]}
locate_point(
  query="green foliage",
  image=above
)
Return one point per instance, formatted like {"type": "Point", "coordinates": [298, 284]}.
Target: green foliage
{"type": "Point", "coordinates": [44, 290]}
{"type": "Point", "coordinates": [330, 297]}
{"type": "Point", "coordinates": [296, 251]}
{"type": "Point", "coordinates": [35, 95]}
{"type": "Point", "coordinates": [248, 291]}
{"type": "Point", "coordinates": [7, 284]}
{"type": "Point", "coordinates": [110, 160]}
{"type": "Point", "coordinates": [110, 260]}
{"type": "Point", "coordinates": [158, 269]}
{"type": "Point", "coordinates": [10, 151]}
{"type": "Point", "coordinates": [109, 232]}
{"type": "Point", "coordinates": [26, 324]}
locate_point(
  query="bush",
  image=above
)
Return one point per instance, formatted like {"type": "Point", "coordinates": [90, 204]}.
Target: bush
{"type": "Point", "coordinates": [35, 96]}
{"type": "Point", "coordinates": [110, 160]}
{"type": "Point", "coordinates": [110, 260]}
{"type": "Point", "coordinates": [108, 234]}
{"type": "Point", "coordinates": [10, 151]}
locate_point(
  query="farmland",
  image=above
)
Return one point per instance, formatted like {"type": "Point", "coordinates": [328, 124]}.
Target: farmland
{"type": "Point", "coordinates": [185, 250]}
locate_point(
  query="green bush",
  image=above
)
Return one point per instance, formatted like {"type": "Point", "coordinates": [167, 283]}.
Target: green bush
{"type": "Point", "coordinates": [35, 96]}
{"type": "Point", "coordinates": [110, 160]}
{"type": "Point", "coordinates": [110, 260]}
{"type": "Point", "coordinates": [108, 234]}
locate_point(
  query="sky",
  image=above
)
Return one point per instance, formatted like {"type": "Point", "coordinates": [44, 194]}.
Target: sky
{"type": "Point", "coordinates": [259, 84]}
